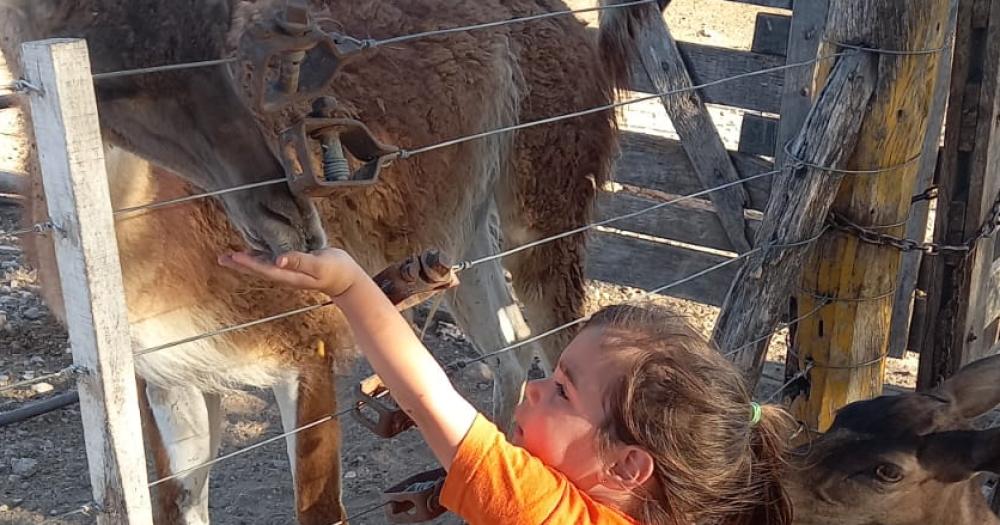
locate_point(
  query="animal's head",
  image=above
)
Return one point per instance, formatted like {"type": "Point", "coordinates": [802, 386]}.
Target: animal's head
{"type": "Point", "coordinates": [904, 460]}
{"type": "Point", "coordinates": [193, 122]}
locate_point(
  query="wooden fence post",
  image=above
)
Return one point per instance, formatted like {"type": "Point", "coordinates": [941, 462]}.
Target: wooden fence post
{"type": "Point", "coordinates": [799, 201]}
{"type": "Point", "coordinates": [908, 307]}
{"type": "Point", "coordinates": [71, 154]}
{"type": "Point", "coordinates": [844, 346]}
{"type": "Point", "coordinates": [956, 292]}
{"type": "Point", "coordinates": [662, 62]}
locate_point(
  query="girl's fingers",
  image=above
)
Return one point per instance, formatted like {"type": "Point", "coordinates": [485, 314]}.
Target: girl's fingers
{"type": "Point", "coordinates": [250, 265]}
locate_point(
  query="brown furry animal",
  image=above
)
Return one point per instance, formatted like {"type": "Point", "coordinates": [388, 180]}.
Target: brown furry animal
{"type": "Point", "coordinates": [194, 123]}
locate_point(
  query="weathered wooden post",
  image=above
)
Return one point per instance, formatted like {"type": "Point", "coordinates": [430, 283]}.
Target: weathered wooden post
{"type": "Point", "coordinates": [956, 303]}
{"type": "Point", "coordinates": [662, 63]}
{"type": "Point", "coordinates": [894, 123]}
{"type": "Point", "coordinates": [845, 345]}
{"type": "Point", "coordinates": [71, 154]}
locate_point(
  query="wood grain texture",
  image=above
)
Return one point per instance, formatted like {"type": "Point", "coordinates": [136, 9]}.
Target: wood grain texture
{"type": "Point", "coordinates": [796, 211]}
{"type": "Point", "coordinates": [665, 68]}
{"type": "Point", "coordinates": [850, 333]}
{"type": "Point", "coordinates": [956, 290]}
{"type": "Point", "coordinates": [71, 156]}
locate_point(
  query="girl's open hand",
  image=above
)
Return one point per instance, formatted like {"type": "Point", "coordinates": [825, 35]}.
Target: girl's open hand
{"type": "Point", "coordinates": [331, 271]}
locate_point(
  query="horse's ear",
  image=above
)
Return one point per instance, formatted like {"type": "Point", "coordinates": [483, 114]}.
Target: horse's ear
{"type": "Point", "coordinates": [974, 390]}
{"type": "Point", "coordinates": [663, 4]}
{"type": "Point", "coordinates": [958, 455]}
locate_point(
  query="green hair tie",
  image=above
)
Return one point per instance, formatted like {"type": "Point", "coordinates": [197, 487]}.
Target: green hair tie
{"type": "Point", "coordinates": [755, 413]}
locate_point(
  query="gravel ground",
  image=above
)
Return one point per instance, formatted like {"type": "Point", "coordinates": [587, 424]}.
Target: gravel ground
{"type": "Point", "coordinates": [43, 471]}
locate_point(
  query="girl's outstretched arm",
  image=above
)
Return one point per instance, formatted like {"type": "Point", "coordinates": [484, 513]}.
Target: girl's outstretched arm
{"type": "Point", "coordinates": [418, 384]}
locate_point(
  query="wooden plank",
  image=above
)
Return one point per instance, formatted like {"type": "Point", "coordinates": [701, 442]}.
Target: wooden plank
{"type": "Point", "coordinates": [899, 327]}
{"type": "Point", "coordinates": [708, 64]}
{"type": "Point", "coordinates": [807, 25]}
{"type": "Point", "coordinates": [957, 287]}
{"type": "Point", "coordinates": [12, 183]}
{"type": "Point", "coordinates": [758, 135]}
{"type": "Point", "coordinates": [691, 221]}
{"type": "Point", "coordinates": [71, 155]}
{"type": "Point", "coordinates": [770, 34]}
{"type": "Point", "coordinates": [854, 332]}
{"type": "Point", "coordinates": [783, 4]}
{"type": "Point", "coordinates": [659, 163]}
{"type": "Point", "coordinates": [991, 304]}
{"type": "Point", "coordinates": [796, 211]}
{"type": "Point", "coordinates": [647, 265]}
{"type": "Point", "coordinates": [797, 93]}
{"type": "Point", "coordinates": [663, 64]}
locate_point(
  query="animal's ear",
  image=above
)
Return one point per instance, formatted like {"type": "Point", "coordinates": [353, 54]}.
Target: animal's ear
{"type": "Point", "coordinates": [974, 390]}
{"type": "Point", "coordinates": [958, 455]}
{"type": "Point", "coordinates": [663, 4]}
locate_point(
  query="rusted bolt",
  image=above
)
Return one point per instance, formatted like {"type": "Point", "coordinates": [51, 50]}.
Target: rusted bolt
{"type": "Point", "coordinates": [335, 166]}
{"type": "Point", "coordinates": [291, 65]}
{"type": "Point", "coordinates": [323, 107]}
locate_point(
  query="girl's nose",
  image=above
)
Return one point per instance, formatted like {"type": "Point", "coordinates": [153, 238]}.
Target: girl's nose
{"type": "Point", "coordinates": [533, 391]}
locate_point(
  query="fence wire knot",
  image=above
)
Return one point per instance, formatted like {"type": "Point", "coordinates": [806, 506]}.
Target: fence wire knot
{"type": "Point", "coordinates": [23, 86]}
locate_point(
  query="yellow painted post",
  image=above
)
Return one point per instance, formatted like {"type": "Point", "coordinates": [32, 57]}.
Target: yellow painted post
{"type": "Point", "coordinates": [844, 345]}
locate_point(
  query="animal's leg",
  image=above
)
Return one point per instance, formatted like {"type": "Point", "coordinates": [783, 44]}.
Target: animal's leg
{"type": "Point", "coordinates": [183, 430]}
{"type": "Point", "coordinates": [485, 309]}
{"type": "Point", "coordinates": [553, 190]}
{"type": "Point", "coordinates": [315, 452]}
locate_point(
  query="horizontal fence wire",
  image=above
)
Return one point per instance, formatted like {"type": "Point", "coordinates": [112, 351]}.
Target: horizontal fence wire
{"type": "Point", "coordinates": [233, 328]}
{"type": "Point", "coordinates": [368, 43]}
{"type": "Point", "coordinates": [795, 377]}
{"type": "Point", "coordinates": [65, 372]}
{"type": "Point", "coordinates": [475, 262]}
{"type": "Point", "coordinates": [460, 266]}
{"type": "Point", "coordinates": [407, 153]}
{"type": "Point", "coordinates": [451, 368]}
{"type": "Point", "coordinates": [307, 426]}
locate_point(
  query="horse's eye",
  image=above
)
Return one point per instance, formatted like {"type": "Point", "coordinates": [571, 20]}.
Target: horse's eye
{"type": "Point", "coordinates": [888, 473]}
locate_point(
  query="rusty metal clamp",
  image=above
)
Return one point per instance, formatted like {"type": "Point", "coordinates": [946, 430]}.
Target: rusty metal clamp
{"type": "Point", "coordinates": [304, 56]}
{"type": "Point", "coordinates": [391, 421]}
{"type": "Point", "coordinates": [314, 154]}
{"type": "Point", "coordinates": [415, 499]}
{"type": "Point", "coordinates": [406, 284]}
{"type": "Point", "coordinates": [416, 279]}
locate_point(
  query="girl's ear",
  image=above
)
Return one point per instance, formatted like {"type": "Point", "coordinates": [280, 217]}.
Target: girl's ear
{"type": "Point", "coordinates": [633, 468]}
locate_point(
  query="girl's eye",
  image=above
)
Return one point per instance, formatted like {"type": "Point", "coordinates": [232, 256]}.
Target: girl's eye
{"type": "Point", "coordinates": [562, 391]}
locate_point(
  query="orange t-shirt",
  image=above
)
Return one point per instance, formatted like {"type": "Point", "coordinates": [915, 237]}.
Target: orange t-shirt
{"type": "Point", "coordinates": [494, 482]}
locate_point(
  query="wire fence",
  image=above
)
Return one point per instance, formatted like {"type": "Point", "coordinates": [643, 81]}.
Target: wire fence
{"type": "Point", "coordinates": [403, 154]}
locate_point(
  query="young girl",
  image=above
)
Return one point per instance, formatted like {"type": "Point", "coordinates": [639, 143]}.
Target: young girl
{"type": "Point", "coordinates": [641, 422]}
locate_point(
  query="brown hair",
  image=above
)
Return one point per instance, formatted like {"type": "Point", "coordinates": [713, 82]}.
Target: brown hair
{"type": "Point", "coordinates": [681, 401]}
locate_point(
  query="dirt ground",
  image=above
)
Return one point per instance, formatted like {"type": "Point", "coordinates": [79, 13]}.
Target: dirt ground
{"type": "Point", "coordinates": [43, 469]}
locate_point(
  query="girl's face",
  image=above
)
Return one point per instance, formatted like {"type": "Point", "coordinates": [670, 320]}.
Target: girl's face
{"type": "Point", "coordinates": [559, 417]}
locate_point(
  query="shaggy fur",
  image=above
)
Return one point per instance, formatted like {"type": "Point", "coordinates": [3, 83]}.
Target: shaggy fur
{"type": "Point", "coordinates": [173, 133]}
